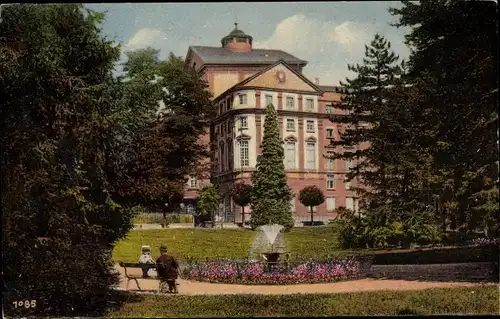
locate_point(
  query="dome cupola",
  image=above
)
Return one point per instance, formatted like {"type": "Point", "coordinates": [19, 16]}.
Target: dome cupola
{"type": "Point", "coordinates": [237, 41]}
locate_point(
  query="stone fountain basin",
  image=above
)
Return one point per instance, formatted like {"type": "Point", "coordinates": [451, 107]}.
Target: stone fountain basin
{"type": "Point", "coordinates": [272, 257]}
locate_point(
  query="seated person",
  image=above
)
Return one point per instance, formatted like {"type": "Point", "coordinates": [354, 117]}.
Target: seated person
{"type": "Point", "coordinates": [167, 268]}
{"type": "Point", "coordinates": [145, 259]}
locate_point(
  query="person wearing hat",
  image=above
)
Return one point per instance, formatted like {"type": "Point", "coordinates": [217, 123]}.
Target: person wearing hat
{"type": "Point", "coordinates": [145, 259]}
{"type": "Point", "coordinates": [168, 269]}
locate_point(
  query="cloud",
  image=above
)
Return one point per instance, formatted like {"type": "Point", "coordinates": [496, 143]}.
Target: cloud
{"type": "Point", "coordinates": [328, 46]}
{"type": "Point", "coordinates": [156, 38]}
{"type": "Point", "coordinates": [146, 37]}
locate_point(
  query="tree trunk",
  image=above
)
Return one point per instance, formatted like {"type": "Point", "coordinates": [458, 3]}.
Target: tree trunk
{"type": "Point", "coordinates": [441, 212]}
{"type": "Point", "coordinates": [312, 216]}
{"type": "Point", "coordinates": [243, 216]}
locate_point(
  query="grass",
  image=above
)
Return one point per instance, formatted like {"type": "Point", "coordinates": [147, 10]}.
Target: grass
{"type": "Point", "coordinates": [186, 243]}
{"type": "Point", "coordinates": [302, 243]}
{"type": "Point", "coordinates": [438, 301]}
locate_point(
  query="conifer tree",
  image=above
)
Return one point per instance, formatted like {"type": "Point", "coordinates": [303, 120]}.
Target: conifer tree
{"type": "Point", "coordinates": [271, 195]}
{"type": "Point", "coordinates": [372, 112]}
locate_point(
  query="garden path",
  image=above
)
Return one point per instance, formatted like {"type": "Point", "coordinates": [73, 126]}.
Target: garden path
{"type": "Point", "coordinates": [203, 288]}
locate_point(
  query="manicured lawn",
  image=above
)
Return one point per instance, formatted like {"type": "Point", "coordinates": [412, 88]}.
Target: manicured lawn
{"type": "Point", "coordinates": [473, 300]}
{"type": "Point", "coordinates": [186, 243]}
{"type": "Point", "coordinates": [303, 243]}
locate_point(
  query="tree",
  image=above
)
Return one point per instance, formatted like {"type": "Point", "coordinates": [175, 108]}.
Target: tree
{"type": "Point", "coordinates": [60, 219]}
{"type": "Point", "coordinates": [164, 140]}
{"type": "Point", "coordinates": [377, 116]}
{"type": "Point", "coordinates": [453, 74]}
{"type": "Point", "coordinates": [208, 202]}
{"type": "Point", "coordinates": [241, 194]}
{"type": "Point", "coordinates": [311, 196]}
{"type": "Point", "coordinates": [271, 195]}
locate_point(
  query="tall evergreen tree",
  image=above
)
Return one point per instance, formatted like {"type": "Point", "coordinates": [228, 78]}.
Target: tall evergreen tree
{"type": "Point", "coordinates": [454, 76]}
{"type": "Point", "coordinates": [373, 124]}
{"type": "Point", "coordinates": [271, 195]}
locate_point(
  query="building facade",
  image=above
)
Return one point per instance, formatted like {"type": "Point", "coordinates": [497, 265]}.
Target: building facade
{"type": "Point", "coordinates": [243, 81]}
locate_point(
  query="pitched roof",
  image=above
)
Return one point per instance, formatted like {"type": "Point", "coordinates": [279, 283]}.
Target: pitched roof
{"type": "Point", "coordinates": [218, 55]}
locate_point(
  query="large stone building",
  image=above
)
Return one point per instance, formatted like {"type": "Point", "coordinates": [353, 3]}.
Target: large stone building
{"type": "Point", "coordinates": [243, 80]}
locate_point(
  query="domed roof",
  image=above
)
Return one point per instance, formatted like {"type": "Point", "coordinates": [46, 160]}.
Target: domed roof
{"type": "Point", "coordinates": [235, 33]}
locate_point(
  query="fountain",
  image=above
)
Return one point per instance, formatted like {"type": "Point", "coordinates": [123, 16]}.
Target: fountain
{"type": "Point", "coordinates": [268, 244]}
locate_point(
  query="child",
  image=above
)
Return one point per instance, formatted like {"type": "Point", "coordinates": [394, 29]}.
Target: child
{"type": "Point", "coordinates": [145, 259]}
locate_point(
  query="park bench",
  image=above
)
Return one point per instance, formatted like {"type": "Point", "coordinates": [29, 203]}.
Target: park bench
{"type": "Point", "coordinates": [139, 276]}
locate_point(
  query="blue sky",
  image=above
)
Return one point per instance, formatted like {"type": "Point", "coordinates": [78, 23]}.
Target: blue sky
{"type": "Point", "coordinates": [328, 35]}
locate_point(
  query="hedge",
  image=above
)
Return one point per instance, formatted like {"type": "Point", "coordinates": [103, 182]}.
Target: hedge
{"type": "Point", "coordinates": [450, 255]}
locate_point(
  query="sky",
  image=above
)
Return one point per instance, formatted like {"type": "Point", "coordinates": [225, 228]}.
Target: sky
{"type": "Point", "coordinates": [329, 35]}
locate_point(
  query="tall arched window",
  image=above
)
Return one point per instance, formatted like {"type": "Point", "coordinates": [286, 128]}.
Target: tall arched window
{"type": "Point", "coordinates": [244, 150]}
{"type": "Point", "coordinates": [310, 153]}
{"type": "Point", "coordinates": [290, 152]}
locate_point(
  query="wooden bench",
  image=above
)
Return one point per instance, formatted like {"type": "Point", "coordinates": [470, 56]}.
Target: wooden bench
{"type": "Point", "coordinates": [135, 277]}
{"type": "Point", "coordinates": [161, 285]}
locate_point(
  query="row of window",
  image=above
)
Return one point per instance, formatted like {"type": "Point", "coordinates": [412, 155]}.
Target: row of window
{"type": "Point", "coordinates": [350, 203]}
{"type": "Point", "coordinates": [268, 99]}
{"type": "Point", "coordinates": [290, 156]}
{"type": "Point", "coordinates": [291, 162]}
{"type": "Point", "coordinates": [290, 126]}
{"type": "Point", "coordinates": [223, 127]}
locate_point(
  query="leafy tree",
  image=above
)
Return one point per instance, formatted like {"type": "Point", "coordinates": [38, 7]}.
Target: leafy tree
{"type": "Point", "coordinates": [164, 141]}
{"type": "Point", "coordinates": [311, 196]}
{"type": "Point", "coordinates": [241, 194]}
{"type": "Point", "coordinates": [271, 195]}
{"type": "Point", "coordinates": [60, 219]}
{"type": "Point", "coordinates": [453, 75]}
{"type": "Point", "coordinates": [208, 201]}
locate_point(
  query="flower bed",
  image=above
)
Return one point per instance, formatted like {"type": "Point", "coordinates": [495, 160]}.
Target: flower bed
{"type": "Point", "coordinates": [484, 242]}
{"type": "Point", "coordinates": [243, 272]}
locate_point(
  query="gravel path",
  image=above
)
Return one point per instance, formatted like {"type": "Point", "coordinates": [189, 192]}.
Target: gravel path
{"type": "Point", "coordinates": [202, 288]}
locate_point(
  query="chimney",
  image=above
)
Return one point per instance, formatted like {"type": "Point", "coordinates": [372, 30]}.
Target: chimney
{"type": "Point", "coordinates": [316, 81]}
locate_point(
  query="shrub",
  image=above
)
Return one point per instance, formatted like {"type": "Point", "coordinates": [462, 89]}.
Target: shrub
{"type": "Point", "coordinates": [208, 202]}
{"type": "Point", "coordinates": [374, 230]}
{"type": "Point", "coordinates": [242, 195]}
{"type": "Point", "coordinates": [311, 196]}
{"type": "Point", "coordinates": [439, 256]}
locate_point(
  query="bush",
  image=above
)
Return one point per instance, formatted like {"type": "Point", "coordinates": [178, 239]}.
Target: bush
{"type": "Point", "coordinates": [376, 231]}
{"type": "Point", "coordinates": [438, 256]}
{"type": "Point", "coordinates": [315, 223]}
{"type": "Point", "coordinates": [469, 300]}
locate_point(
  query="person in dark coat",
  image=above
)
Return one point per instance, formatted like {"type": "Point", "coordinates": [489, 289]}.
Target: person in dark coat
{"type": "Point", "coordinates": [168, 269]}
